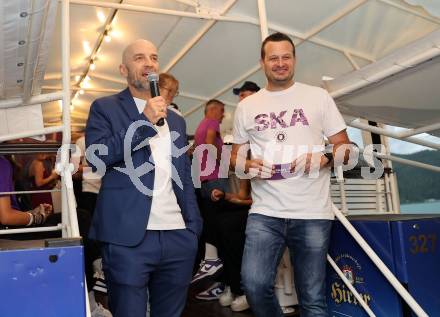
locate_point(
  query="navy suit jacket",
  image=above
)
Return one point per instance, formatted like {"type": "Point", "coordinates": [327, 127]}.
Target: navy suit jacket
{"type": "Point", "coordinates": [122, 211]}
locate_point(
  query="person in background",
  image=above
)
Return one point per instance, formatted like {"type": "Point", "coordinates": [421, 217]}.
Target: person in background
{"type": "Point", "coordinates": [91, 182]}
{"type": "Point", "coordinates": [42, 176]}
{"type": "Point", "coordinates": [86, 200]}
{"type": "Point", "coordinates": [230, 228]}
{"type": "Point", "coordinates": [169, 89]}
{"type": "Point", "coordinates": [208, 133]}
{"type": "Point", "coordinates": [10, 213]}
{"type": "Point", "coordinates": [248, 88]}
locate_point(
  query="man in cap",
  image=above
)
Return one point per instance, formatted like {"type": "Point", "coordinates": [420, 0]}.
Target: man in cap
{"type": "Point", "coordinates": [248, 88]}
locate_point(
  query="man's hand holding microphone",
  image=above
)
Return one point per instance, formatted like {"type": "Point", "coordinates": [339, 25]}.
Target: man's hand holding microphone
{"type": "Point", "coordinates": [156, 108]}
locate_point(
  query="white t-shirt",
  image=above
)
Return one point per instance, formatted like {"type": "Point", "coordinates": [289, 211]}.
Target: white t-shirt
{"type": "Point", "coordinates": [91, 182]}
{"type": "Point", "coordinates": [165, 213]}
{"type": "Point", "coordinates": [280, 126]}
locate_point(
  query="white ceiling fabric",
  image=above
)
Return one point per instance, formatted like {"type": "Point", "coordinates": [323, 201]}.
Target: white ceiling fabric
{"type": "Point", "coordinates": [26, 29]}
{"type": "Point", "coordinates": [433, 7]}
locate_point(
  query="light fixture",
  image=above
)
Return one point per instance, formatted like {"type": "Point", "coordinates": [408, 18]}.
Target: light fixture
{"type": "Point", "coordinates": [107, 36]}
{"type": "Point", "coordinates": [114, 33]}
{"type": "Point", "coordinates": [326, 78]}
{"type": "Point", "coordinates": [83, 81]}
{"type": "Point", "coordinates": [86, 47]}
{"type": "Point", "coordinates": [85, 84]}
{"type": "Point", "coordinates": [77, 77]}
{"type": "Point", "coordinates": [101, 16]}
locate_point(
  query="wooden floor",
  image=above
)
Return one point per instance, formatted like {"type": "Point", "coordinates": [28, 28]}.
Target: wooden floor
{"type": "Point", "coordinates": [198, 308]}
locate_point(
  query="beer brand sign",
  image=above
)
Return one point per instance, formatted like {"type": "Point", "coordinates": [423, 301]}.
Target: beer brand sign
{"type": "Point", "coordinates": [352, 270]}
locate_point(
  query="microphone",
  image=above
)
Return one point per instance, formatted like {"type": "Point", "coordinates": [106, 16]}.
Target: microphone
{"type": "Point", "coordinates": [153, 79]}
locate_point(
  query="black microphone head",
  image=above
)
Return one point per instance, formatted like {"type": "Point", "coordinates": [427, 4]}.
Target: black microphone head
{"type": "Point", "coordinates": [153, 80]}
{"type": "Point", "coordinates": [152, 77]}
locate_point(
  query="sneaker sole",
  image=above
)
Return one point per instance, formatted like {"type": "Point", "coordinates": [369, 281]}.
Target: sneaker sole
{"type": "Point", "coordinates": [206, 299]}
{"type": "Point", "coordinates": [238, 310]}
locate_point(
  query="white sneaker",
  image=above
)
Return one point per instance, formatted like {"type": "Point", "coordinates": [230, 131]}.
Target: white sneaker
{"type": "Point", "coordinates": [239, 303]}
{"type": "Point", "coordinates": [287, 310]}
{"type": "Point", "coordinates": [100, 311]}
{"type": "Point", "coordinates": [99, 284]}
{"type": "Point", "coordinates": [97, 265]}
{"type": "Point", "coordinates": [226, 298]}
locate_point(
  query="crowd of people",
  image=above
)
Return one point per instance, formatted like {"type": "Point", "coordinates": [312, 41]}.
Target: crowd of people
{"type": "Point", "coordinates": [144, 246]}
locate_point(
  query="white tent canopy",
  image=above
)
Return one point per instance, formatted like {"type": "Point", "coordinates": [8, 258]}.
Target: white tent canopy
{"type": "Point", "coordinates": [400, 90]}
{"type": "Point", "coordinates": [216, 47]}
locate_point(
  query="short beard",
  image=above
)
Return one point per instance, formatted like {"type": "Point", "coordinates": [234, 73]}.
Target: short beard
{"type": "Point", "coordinates": [139, 85]}
{"type": "Point", "coordinates": [283, 81]}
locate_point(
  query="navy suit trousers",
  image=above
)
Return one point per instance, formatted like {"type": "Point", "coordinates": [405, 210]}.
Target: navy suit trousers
{"type": "Point", "coordinates": [158, 271]}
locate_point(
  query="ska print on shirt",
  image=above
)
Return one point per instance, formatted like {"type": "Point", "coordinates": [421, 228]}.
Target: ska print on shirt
{"type": "Point", "coordinates": [272, 120]}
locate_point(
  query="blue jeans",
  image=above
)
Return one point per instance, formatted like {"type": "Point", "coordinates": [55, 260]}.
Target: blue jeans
{"type": "Point", "coordinates": [266, 240]}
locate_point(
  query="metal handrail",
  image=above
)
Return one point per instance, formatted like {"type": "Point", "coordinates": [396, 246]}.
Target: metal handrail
{"type": "Point", "coordinates": [408, 162]}
{"type": "Point", "coordinates": [26, 134]}
{"type": "Point", "coordinates": [67, 185]}
{"type": "Point", "coordinates": [27, 230]}
{"type": "Point", "coordinates": [416, 308]}
{"type": "Point", "coordinates": [394, 135]}
{"type": "Point", "coordinates": [43, 98]}
{"type": "Point", "coordinates": [30, 192]}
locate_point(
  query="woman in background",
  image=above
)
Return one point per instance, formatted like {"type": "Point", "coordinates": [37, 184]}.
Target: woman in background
{"type": "Point", "coordinates": [41, 176]}
{"type": "Point", "coordinates": [10, 213]}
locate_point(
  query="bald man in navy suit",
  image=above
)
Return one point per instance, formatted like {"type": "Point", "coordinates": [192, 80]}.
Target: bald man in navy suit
{"type": "Point", "coordinates": [146, 214]}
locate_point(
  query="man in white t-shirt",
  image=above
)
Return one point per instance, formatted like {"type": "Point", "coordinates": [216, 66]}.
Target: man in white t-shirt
{"type": "Point", "coordinates": [285, 124]}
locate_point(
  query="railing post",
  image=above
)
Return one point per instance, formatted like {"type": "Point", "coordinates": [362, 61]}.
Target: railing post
{"type": "Point", "coordinates": [263, 19]}
{"type": "Point", "coordinates": [65, 71]}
